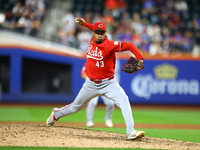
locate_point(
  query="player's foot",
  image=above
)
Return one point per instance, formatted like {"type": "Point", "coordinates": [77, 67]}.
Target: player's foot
{"type": "Point", "coordinates": [109, 123]}
{"type": "Point", "coordinates": [136, 134]}
{"type": "Point", "coordinates": [51, 120]}
{"type": "Point", "coordinates": [90, 124]}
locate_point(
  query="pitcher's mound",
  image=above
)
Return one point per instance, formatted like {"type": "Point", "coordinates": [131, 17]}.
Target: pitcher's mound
{"type": "Point", "coordinates": [62, 136]}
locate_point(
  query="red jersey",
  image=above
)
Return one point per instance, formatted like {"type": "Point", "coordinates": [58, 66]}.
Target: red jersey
{"type": "Point", "coordinates": [100, 62]}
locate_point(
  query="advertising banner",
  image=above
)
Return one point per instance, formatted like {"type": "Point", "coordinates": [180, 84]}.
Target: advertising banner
{"type": "Point", "coordinates": [164, 82]}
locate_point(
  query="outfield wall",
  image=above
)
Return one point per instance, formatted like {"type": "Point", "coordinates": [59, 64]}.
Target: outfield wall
{"type": "Point", "coordinates": [29, 75]}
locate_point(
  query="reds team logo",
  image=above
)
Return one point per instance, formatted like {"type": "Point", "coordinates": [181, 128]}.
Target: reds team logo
{"type": "Point", "coordinates": [94, 54]}
{"type": "Point", "coordinates": [100, 25]}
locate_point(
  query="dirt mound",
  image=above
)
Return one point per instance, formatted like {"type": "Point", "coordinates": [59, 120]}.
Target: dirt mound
{"type": "Point", "coordinates": [62, 136]}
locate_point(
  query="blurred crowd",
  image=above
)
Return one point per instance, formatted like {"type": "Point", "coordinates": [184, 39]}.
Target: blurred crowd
{"type": "Point", "coordinates": [154, 26]}
{"type": "Point", "coordinates": [23, 16]}
{"type": "Point", "coordinates": [159, 27]}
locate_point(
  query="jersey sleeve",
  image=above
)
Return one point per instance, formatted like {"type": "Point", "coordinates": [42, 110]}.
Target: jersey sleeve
{"type": "Point", "coordinates": [114, 46]}
{"type": "Point", "coordinates": [131, 47]}
{"type": "Point", "coordinates": [88, 25]}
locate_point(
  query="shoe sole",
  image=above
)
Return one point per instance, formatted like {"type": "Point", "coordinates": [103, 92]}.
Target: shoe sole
{"type": "Point", "coordinates": [49, 125]}
{"type": "Point", "coordinates": [140, 135]}
{"type": "Point", "coordinates": [137, 137]}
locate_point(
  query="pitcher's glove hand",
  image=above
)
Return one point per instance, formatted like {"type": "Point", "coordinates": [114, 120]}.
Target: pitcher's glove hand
{"type": "Point", "coordinates": [132, 65]}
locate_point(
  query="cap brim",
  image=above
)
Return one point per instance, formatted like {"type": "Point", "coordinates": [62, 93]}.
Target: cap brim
{"type": "Point", "coordinates": [99, 30]}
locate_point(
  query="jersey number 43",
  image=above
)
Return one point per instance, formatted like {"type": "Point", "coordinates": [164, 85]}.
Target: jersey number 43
{"type": "Point", "coordinates": [100, 64]}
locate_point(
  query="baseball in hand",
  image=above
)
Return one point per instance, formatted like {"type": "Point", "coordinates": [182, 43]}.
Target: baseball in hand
{"type": "Point", "coordinates": [77, 21]}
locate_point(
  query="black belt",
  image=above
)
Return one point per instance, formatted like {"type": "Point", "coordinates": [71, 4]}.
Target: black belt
{"type": "Point", "coordinates": [100, 80]}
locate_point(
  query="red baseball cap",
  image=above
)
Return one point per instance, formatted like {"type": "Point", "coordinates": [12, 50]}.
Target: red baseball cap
{"type": "Point", "coordinates": [99, 26]}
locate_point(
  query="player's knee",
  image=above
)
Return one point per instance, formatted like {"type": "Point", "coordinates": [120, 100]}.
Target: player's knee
{"type": "Point", "coordinates": [123, 97]}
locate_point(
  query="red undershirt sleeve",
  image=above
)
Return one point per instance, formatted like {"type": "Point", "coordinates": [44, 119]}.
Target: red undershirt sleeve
{"type": "Point", "coordinates": [130, 46]}
{"type": "Point", "coordinates": [88, 25]}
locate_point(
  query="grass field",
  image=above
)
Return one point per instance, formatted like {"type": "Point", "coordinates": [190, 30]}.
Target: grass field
{"type": "Point", "coordinates": [142, 116]}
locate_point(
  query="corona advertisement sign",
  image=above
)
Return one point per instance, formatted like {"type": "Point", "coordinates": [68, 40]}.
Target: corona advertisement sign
{"type": "Point", "coordinates": [165, 83]}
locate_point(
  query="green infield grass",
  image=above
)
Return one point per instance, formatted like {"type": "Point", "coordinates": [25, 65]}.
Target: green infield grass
{"type": "Point", "coordinates": [40, 114]}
